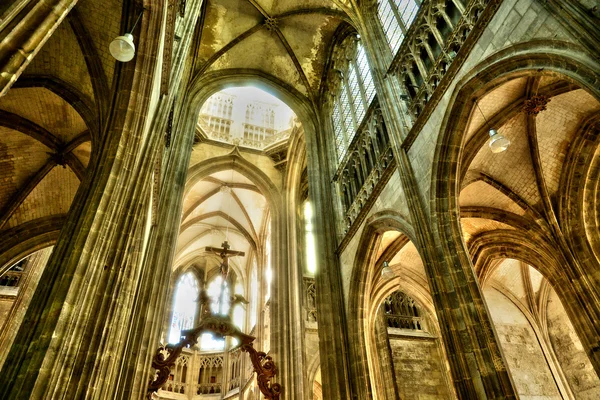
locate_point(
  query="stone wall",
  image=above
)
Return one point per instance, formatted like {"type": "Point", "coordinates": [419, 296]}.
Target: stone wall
{"type": "Point", "coordinates": [529, 369]}
{"type": "Point", "coordinates": [6, 304]}
{"type": "Point", "coordinates": [418, 368]}
{"type": "Point", "coordinates": [568, 348]}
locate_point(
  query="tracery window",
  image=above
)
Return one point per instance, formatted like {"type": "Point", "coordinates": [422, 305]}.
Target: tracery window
{"type": "Point", "coordinates": [396, 16]}
{"type": "Point", "coordinates": [354, 95]}
{"type": "Point", "coordinates": [13, 276]}
{"type": "Point", "coordinates": [401, 311]}
{"type": "Point", "coordinates": [217, 113]}
{"type": "Point", "coordinates": [184, 308]}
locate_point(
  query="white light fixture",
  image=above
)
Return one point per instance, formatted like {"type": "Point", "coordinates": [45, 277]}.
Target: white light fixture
{"type": "Point", "coordinates": [387, 272]}
{"type": "Point", "coordinates": [122, 47]}
{"type": "Point", "coordinates": [498, 143]}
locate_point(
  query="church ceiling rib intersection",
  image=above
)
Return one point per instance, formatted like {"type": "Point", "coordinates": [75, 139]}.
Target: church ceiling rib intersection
{"type": "Point", "coordinates": [286, 39]}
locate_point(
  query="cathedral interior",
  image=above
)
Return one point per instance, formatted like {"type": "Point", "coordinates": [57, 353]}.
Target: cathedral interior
{"type": "Point", "coordinates": [300, 199]}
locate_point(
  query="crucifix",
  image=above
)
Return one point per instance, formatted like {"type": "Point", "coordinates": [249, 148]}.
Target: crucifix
{"type": "Point", "coordinates": [225, 253]}
{"type": "Point", "coordinates": [217, 324]}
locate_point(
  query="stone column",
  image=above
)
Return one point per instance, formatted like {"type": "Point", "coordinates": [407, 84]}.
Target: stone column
{"type": "Point", "coordinates": [71, 340]}
{"type": "Point", "coordinates": [388, 384]}
{"type": "Point", "coordinates": [473, 351]}
{"type": "Point", "coordinates": [19, 45]}
{"type": "Point", "coordinates": [152, 293]}
{"type": "Point", "coordinates": [331, 316]}
{"type": "Point", "coordinates": [288, 328]}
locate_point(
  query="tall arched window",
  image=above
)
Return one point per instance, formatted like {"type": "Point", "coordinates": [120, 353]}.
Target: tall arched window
{"type": "Point", "coordinates": [184, 309]}
{"type": "Point", "coordinates": [253, 293]}
{"type": "Point", "coordinates": [309, 237]}
{"type": "Point", "coordinates": [355, 92]}
{"type": "Point", "coordinates": [396, 16]}
{"type": "Point", "coordinates": [219, 304]}
{"type": "Point", "coordinates": [268, 269]}
{"type": "Point", "coordinates": [239, 312]}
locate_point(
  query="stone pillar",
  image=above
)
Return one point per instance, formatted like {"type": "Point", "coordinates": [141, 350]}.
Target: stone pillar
{"type": "Point", "coordinates": [288, 325]}
{"type": "Point", "coordinates": [474, 355]}
{"type": "Point", "coordinates": [22, 43]}
{"type": "Point", "coordinates": [387, 374]}
{"type": "Point", "coordinates": [71, 341]}
{"type": "Point", "coordinates": [331, 316]}
{"type": "Point", "coordinates": [152, 293]}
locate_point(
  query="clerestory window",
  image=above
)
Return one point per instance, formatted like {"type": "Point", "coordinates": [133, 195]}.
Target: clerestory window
{"type": "Point", "coordinates": [309, 236]}
{"type": "Point", "coordinates": [396, 17]}
{"type": "Point", "coordinates": [355, 94]}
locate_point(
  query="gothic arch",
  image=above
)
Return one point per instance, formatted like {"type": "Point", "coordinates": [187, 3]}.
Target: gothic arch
{"type": "Point", "coordinates": [28, 238]}
{"type": "Point", "coordinates": [359, 291]}
{"type": "Point", "coordinates": [552, 56]}
{"type": "Point", "coordinates": [206, 84]}
{"type": "Point", "coordinates": [579, 182]}
{"type": "Point", "coordinates": [313, 367]}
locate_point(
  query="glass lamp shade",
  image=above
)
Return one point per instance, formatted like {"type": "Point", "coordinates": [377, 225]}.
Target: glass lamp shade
{"type": "Point", "coordinates": [498, 143]}
{"type": "Point", "coordinates": [387, 272]}
{"type": "Point", "coordinates": [122, 48]}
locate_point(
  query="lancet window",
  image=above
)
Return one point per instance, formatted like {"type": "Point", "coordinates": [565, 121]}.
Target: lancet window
{"type": "Point", "coordinates": [253, 293]}
{"type": "Point", "coordinates": [396, 16]}
{"type": "Point", "coordinates": [268, 269]}
{"type": "Point", "coordinates": [185, 305]}
{"type": "Point", "coordinates": [185, 308]}
{"type": "Point", "coordinates": [354, 94]}
{"type": "Point", "coordinates": [309, 237]}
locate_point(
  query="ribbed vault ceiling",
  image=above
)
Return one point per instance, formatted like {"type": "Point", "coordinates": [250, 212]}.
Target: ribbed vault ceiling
{"type": "Point", "coordinates": [286, 39]}
{"type": "Point", "coordinates": [223, 205]}
{"type": "Point", "coordinates": [500, 188]}
{"type": "Point", "coordinates": [49, 118]}
{"type": "Point", "coordinates": [517, 190]}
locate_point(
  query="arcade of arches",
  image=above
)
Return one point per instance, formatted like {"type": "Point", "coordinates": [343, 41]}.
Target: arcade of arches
{"type": "Point", "coordinates": [409, 191]}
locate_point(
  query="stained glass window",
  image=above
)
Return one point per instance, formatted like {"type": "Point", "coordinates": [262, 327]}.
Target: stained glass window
{"type": "Point", "coordinates": [217, 293]}
{"type": "Point", "coordinates": [184, 309]}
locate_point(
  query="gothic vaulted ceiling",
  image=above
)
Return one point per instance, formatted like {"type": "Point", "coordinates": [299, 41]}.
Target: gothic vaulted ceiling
{"type": "Point", "coordinates": [287, 39]}
{"type": "Point", "coordinates": [223, 206]}
{"type": "Point", "coordinates": [516, 189]}
{"type": "Point", "coordinates": [49, 119]}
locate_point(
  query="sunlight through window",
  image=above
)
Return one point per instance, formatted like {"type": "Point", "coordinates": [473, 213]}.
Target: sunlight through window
{"type": "Point", "coordinates": [184, 309]}
{"type": "Point", "coordinates": [311, 257]}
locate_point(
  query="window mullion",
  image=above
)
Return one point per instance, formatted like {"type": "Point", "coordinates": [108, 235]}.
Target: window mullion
{"type": "Point", "coordinates": [350, 103]}
{"type": "Point", "coordinates": [394, 8]}
{"type": "Point", "coordinates": [361, 86]}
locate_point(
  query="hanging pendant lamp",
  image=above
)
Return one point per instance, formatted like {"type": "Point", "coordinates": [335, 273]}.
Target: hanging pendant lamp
{"type": "Point", "coordinates": [122, 47]}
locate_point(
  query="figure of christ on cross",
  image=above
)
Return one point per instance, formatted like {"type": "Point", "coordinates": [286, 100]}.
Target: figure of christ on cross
{"type": "Point", "coordinates": [225, 254]}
